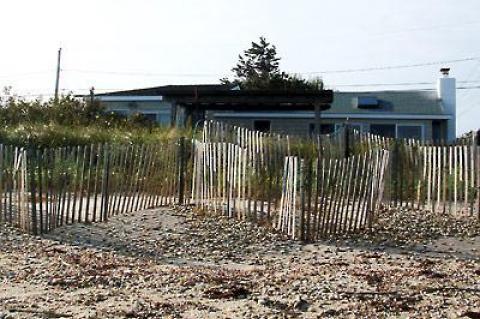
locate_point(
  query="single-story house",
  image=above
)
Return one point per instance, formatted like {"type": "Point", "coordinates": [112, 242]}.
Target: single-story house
{"type": "Point", "coordinates": [180, 105]}
{"type": "Point", "coordinates": [421, 114]}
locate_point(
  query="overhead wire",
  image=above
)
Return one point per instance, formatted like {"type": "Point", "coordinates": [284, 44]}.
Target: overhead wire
{"type": "Point", "coordinates": [141, 73]}
{"type": "Point", "coordinates": [16, 75]}
{"type": "Point", "coordinates": [400, 66]}
{"type": "Point", "coordinates": [393, 84]}
{"type": "Point", "coordinates": [467, 97]}
{"type": "Point", "coordinates": [354, 70]}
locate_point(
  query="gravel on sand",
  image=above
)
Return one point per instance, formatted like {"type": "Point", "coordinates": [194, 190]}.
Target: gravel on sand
{"type": "Point", "coordinates": [167, 264]}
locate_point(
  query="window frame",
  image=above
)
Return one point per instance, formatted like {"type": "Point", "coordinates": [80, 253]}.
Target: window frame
{"type": "Point", "coordinates": [391, 124]}
{"type": "Point", "coordinates": [397, 125]}
{"type": "Point", "coordinates": [422, 130]}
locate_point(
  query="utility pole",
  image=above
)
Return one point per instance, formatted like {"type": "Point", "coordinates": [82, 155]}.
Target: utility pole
{"type": "Point", "coordinates": [92, 95]}
{"type": "Point", "coordinates": [57, 82]}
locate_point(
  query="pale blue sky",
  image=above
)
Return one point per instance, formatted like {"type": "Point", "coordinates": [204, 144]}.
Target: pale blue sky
{"type": "Point", "coordinates": [122, 44]}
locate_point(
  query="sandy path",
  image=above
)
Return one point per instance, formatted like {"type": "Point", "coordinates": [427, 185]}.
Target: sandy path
{"type": "Point", "coordinates": [163, 264]}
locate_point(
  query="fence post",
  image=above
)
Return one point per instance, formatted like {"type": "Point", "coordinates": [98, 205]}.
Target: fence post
{"type": "Point", "coordinates": [106, 174]}
{"type": "Point", "coordinates": [31, 160]}
{"type": "Point", "coordinates": [181, 170]}
{"type": "Point", "coordinates": [347, 140]}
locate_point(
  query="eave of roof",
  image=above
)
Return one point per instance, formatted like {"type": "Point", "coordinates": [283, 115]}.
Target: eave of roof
{"type": "Point", "coordinates": [222, 94]}
{"type": "Point", "coordinates": [168, 90]}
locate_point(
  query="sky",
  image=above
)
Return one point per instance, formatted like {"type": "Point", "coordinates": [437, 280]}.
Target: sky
{"type": "Point", "coordinates": [353, 45]}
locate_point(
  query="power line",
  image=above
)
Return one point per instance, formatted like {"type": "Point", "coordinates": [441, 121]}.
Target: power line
{"type": "Point", "coordinates": [474, 87]}
{"type": "Point", "coordinates": [468, 95]}
{"type": "Point", "coordinates": [27, 95]}
{"type": "Point", "coordinates": [369, 69]}
{"type": "Point", "coordinates": [401, 66]}
{"type": "Point", "coordinates": [96, 89]}
{"type": "Point", "coordinates": [24, 74]}
{"type": "Point", "coordinates": [394, 84]}
{"type": "Point", "coordinates": [468, 87]}
{"type": "Point", "coordinates": [424, 28]}
{"type": "Point", "coordinates": [383, 84]}
{"type": "Point", "coordinates": [141, 73]}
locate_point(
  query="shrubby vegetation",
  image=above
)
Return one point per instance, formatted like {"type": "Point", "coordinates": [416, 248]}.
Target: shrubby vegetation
{"type": "Point", "coordinates": [72, 121]}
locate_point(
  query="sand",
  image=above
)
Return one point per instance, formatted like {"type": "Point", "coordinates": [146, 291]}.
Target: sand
{"type": "Point", "coordinates": [168, 264]}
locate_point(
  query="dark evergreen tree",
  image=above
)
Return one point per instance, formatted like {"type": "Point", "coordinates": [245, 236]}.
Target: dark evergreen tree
{"type": "Point", "coordinates": [259, 68]}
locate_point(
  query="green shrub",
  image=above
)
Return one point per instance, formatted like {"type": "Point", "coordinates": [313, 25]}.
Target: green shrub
{"type": "Point", "coordinates": [71, 121]}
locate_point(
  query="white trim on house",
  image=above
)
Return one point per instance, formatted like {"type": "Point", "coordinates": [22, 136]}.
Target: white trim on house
{"type": "Point", "coordinates": [311, 115]}
{"type": "Point", "coordinates": [122, 98]}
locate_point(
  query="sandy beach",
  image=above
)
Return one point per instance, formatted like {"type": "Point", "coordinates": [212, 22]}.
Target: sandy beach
{"type": "Point", "coordinates": [172, 264]}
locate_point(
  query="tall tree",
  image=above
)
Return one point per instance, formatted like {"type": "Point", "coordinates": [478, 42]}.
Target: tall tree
{"type": "Point", "coordinates": [259, 68]}
{"type": "Point", "coordinates": [260, 61]}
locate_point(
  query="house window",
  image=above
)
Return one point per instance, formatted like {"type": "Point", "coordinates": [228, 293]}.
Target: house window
{"type": "Point", "coordinates": [261, 125]}
{"type": "Point", "coordinates": [327, 128]}
{"type": "Point", "coordinates": [367, 102]}
{"type": "Point", "coordinates": [386, 130]}
{"type": "Point", "coordinates": [436, 131]}
{"type": "Point", "coordinates": [410, 131]}
{"type": "Point", "coordinates": [324, 128]}
{"type": "Point", "coordinates": [150, 116]}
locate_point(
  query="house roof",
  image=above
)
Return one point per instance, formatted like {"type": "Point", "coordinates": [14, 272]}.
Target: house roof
{"type": "Point", "coordinates": [396, 102]}
{"type": "Point", "coordinates": [169, 90]}
{"type": "Point", "coordinates": [225, 96]}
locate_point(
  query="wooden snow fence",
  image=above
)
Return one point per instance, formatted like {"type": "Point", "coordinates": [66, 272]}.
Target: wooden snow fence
{"type": "Point", "coordinates": [42, 189]}
{"type": "Point", "coordinates": [306, 187]}
{"type": "Point", "coordinates": [329, 145]}
{"type": "Point", "coordinates": [323, 197]}
{"type": "Point", "coordinates": [438, 177]}
{"type": "Point", "coordinates": [442, 179]}
{"type": "Point", "coordinates": [426, 175]}
{"type": "Point", "coordinates": [230, 180]}
{"type": "Point", "coordinates": [305, 198]}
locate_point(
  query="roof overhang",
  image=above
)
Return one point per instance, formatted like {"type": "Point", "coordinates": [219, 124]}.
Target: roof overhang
{"type": "Point", "coordinates": [129, 98]}
{"type": "Point", "coordinates": [265, 98]}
